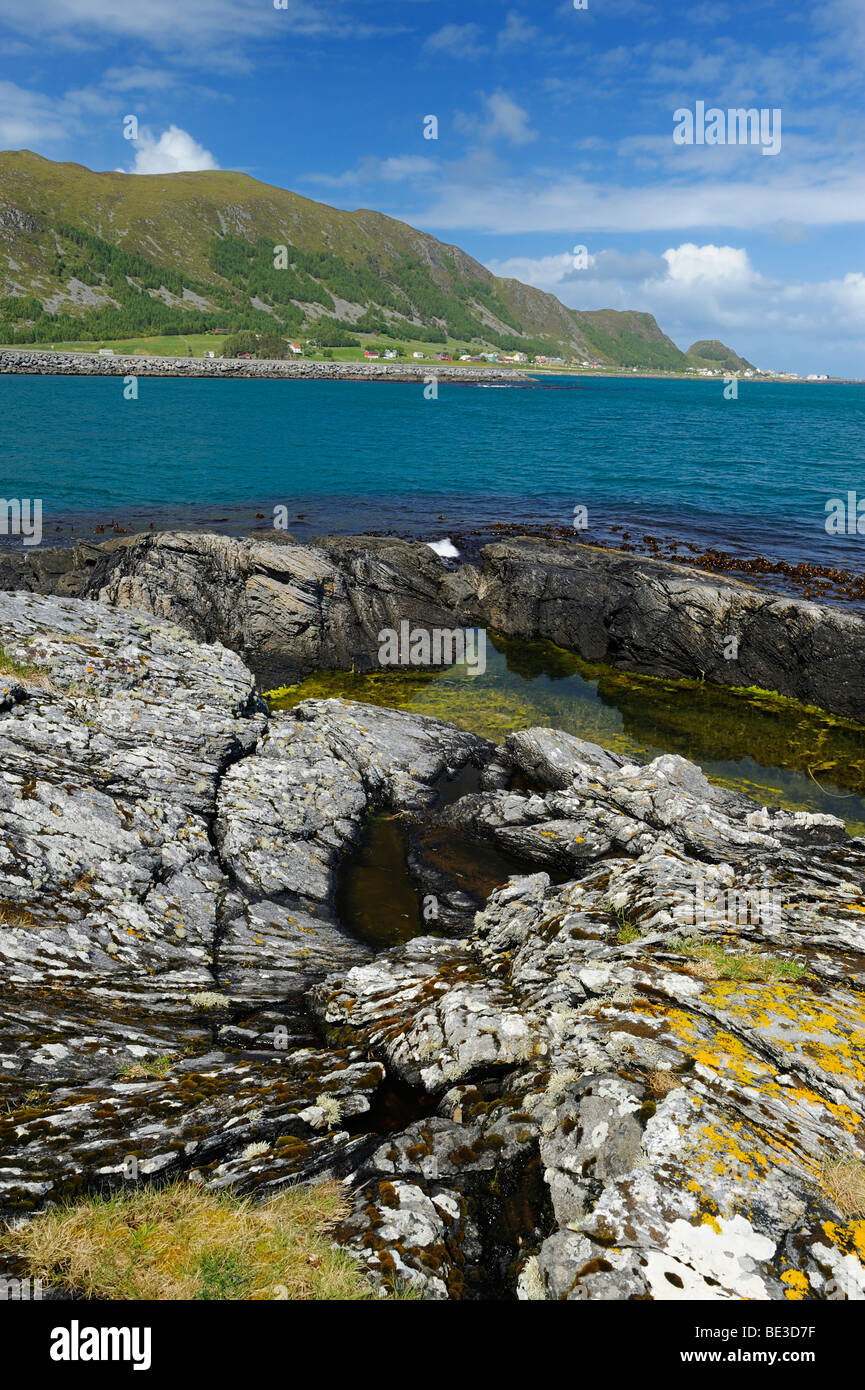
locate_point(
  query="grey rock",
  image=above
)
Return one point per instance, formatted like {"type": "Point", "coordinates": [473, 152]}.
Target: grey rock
{"type": "Point", "coordinates": [289, 608]}
{"type": "Point", "coordinates": [623, 1080]}
{"type": "Point", "coordinates": [666, 619]}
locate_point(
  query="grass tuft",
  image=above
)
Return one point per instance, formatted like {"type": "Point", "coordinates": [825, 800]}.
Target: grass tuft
{"type": "Point", "coordinates": [180, 1242]}
{"type": "Point", "coordinates": [147, 1070]}
{"type": "Point", "coordinates": [661, 1083]}
{"type": "Point", "coordinates": [626, 930]}
{"type": "Point", "coordinates": [709, 960]}
{"type": "Point", "coordinates": [843, 1180]}
{"type": "Point", "coordinates": [11, 915]}
{"type": "Point", "coordinates": [25, 671]}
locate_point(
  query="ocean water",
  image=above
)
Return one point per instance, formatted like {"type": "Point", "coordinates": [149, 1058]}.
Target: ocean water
{"type": "Point", "coordinates": [669, 458]}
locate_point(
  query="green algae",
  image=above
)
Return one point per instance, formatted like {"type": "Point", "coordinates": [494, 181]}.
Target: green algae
{"type": "Point", "coordinates": [774, 749]}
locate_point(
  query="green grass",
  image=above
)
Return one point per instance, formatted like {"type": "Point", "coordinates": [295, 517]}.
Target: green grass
{"type": "Point", "coordinates": [180, 1242]}
{"type": "Point", "coordinates": [626, 930]}
{"type": "Point", "coordinates": [170, 345]}
{"type": "Point", "coordinates": [10, 666]}
{"type": "Point", "coordinates": [715, 962]}
{"type": "Point", "coordinates": [627, 933]}
{"type": "Point", "coordinates": [200, 343]}
{"type": "Point", "coordinates": [175, 346]}
{"type": "Point", "coordinates": [148, 1070]}
{"type": "Point", "coordinates": [35, 1099]}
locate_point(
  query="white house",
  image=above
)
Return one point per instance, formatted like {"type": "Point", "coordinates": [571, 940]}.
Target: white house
{"type": "Point", "coordinates": [418, 355]}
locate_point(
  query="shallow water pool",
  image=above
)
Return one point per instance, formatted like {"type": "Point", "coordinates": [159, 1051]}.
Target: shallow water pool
{"type": "Point", "coordinates": [775, 750]}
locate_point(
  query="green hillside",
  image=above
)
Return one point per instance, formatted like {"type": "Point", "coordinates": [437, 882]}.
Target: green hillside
{"type": "Point", "coordinates": [110, 256]}
{"type": "Point", "coordinates": [717, 356]}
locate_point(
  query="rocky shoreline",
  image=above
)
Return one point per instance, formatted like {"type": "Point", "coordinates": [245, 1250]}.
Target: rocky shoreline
{"type": "Point", "coordinates": [614, 1084]}
{"type": "Point", "coordinates": [17, 361]}
{"type": "Point", "coordinates": [288, 608]}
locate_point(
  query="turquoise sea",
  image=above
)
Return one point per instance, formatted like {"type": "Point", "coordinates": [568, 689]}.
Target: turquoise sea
{"type": "Point", "coordinates": [672, 458]}
{"type": "Point", "coordinates": [667, 458]}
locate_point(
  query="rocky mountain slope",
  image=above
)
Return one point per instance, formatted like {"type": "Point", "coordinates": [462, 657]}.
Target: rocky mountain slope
{"type": "Point", "coordinates": [717, 356]}
{"type": "Point", "coordinates": [105, 255]}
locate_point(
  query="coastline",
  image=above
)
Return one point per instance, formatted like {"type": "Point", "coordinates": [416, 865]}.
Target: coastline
{"type": "Point", "coordinates": [254, 1035]}
{"type": "Point", "coordinates": [584, 598]}
{"type": "Point", "coordinates": [36, 361]}
{"type": "Point", "coordinates": [15, 361]}
{"type": "Point", "coordinates": [805, 579]}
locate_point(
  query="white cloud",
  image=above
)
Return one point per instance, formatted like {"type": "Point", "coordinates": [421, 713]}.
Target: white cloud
{"type": "Point", "coordinates": [163, 22]}
{"type": "Point", "coordinates": [504, 119]}
{"type": "Point", "coordinates": [139, 79]}
{"type": "Point", "coordinates": [173, 152]}
{"type": "Point", "coordinates": [374, 170]}
{"type": "Point", "coordinates": [457, 41]}
{"type": "Point", "coordinates": [517, 32]}
{"type": "Point", "coordinates": [809, 195]}
{"type": "Point", "coordinates": [214, 34]}
{"type": "Point", "coordinates": [29, 119]}
{"type": "Point", "coordinates": [690, 264]}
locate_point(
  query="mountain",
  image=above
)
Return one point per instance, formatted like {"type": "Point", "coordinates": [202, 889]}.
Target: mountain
{"type": "Point", "coordinates": [710, 353]}
{"type": "Point", "coordinates": [87, 255]}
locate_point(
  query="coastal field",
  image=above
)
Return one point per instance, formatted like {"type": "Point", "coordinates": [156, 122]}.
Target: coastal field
{"type": "Point", "coordinates": [199, 344]}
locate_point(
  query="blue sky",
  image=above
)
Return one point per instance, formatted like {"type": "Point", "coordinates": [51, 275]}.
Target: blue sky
{"type": "Point", "coordinates": [554, 130]}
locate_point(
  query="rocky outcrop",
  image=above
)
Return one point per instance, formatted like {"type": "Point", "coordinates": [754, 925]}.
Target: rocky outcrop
{"type": "Point", "coordinates": [168, 858]}
{"type": "Point", "coordinates": [657, 1099]}
{"type": "Point", "coordinates": [285, 608]}
{"type": "Point", "coordinates": [289, 608]}
{"type": "Point", "coordinates": [627, 1076]}
{"type": "Point", "coordinates": [664, 619]}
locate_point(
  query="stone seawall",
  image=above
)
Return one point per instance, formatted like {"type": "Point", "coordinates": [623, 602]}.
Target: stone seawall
{"type": "Point", "coordinates": [41, 363]}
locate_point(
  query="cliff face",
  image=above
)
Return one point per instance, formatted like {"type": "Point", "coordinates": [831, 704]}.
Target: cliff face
{"type": "Point", "coordinates": [630, 1072]}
